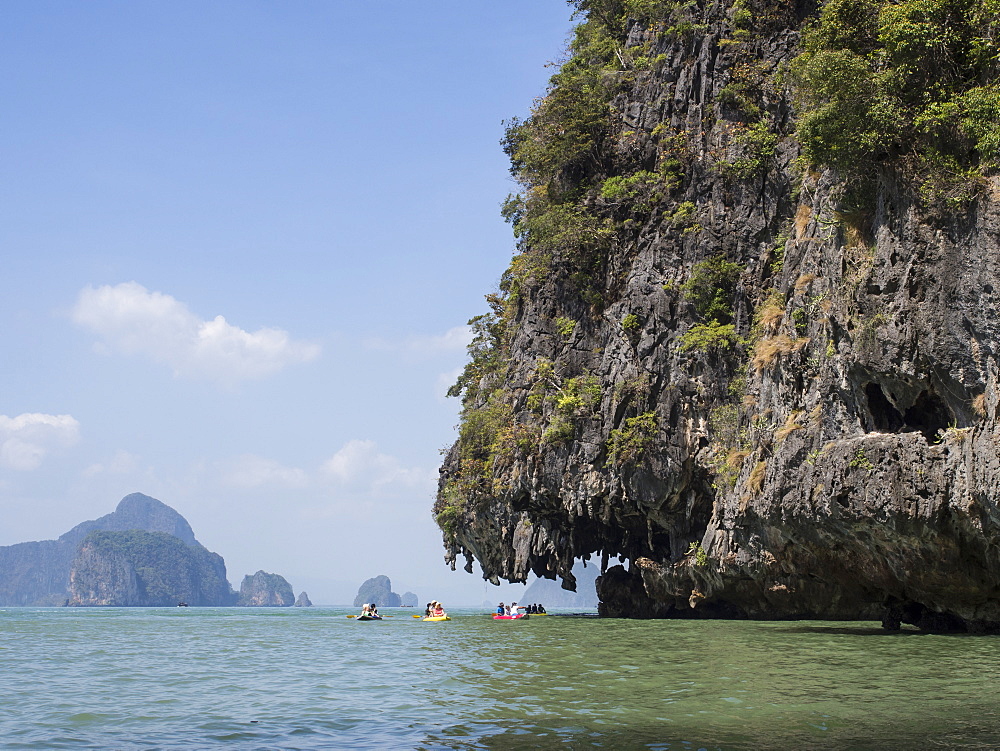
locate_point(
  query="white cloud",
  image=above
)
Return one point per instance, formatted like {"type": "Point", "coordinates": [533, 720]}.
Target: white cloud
{"type": "Point", "coordinates": [359, 467]}
{"type": "Point", "coordinates": [453, 340]}
{"type": "Point", "coordinates": [250, 471]}
{"type": "Point", "coordinates": [133, 320]}
{"type": "Point", "coordinates": [122, 463]}
{"type": "Point", "coordinates": [27, 438]}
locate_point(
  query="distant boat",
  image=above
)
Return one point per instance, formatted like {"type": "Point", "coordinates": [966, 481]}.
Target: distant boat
{"type": "Point", "coordinates": [182, 605]}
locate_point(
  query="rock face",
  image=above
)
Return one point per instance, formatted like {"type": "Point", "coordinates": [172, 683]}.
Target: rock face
{"type": "Point", "coordinates": [303, 601]}
{"type": "Point", "coordinates": [146, 569]}
{"type": "Point", "coordinates": [136, 511]}
{"type": "Point", "coordinates": [769, 383]}
{"type": "Point", "coordinates": [35, 573]}
{"type": "Point", "coordinates": [377, 590]}
{"type": "Point", "coordinates": [264, 590]}
{"type": "Point", "coordinates": [57, 572]}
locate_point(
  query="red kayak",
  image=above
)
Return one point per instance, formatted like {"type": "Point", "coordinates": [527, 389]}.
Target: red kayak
{"type": "Point", "coordinates": [518, 617]}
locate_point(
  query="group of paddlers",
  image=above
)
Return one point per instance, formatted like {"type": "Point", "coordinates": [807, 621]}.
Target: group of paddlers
{"type": "Point", "coordinates": [513, 609]}
{"type": "Point", "coordinates": [434, 609]}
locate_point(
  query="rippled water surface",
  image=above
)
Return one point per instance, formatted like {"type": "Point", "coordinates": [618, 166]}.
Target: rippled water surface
{"type": "Point", "coordinates": [312, 678]}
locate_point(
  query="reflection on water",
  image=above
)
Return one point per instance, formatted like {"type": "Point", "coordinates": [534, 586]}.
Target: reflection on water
{"type": "Point", "coordinates": [305, 679]}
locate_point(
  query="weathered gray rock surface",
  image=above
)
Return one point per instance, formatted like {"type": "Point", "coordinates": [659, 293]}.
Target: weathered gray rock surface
{"type": "Point", "coordinates": [35, 573]}
{"type": "Point", "coordinates": [846, 466]}
{"type": "Point", "coordinates": [135, 568]}
{"type": "Point", "coordinates": [136, 511]}
{"type": "Point", "coordinates": [303, 601]}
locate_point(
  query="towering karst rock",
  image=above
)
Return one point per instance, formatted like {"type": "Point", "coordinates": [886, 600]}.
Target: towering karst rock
{"type": "Point", "coordinates": [136, 511]}
{"type": "Point", "coordinates": [40, 573]}
{"type": "Point", "coordinates": [139, 568]}
{"type": "Point", "coordinates": [748, 343]}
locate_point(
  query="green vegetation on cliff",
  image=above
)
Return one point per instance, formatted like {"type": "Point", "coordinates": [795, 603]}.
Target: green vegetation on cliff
{"type": "Point", "coordinates": [574, 204]}
{"type": "Point", "coordinates": [911, 81]}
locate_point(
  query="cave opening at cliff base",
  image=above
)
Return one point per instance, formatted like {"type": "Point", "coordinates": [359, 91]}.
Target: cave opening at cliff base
{"type": "Point", "coordinates": [928, 414]}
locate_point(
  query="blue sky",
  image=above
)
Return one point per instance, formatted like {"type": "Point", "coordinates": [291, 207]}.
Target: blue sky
{"type": "Point", "coordinates": [240, 241]}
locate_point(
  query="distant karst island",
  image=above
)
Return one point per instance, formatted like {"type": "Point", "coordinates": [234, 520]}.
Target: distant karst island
{"type": "Point", "coordinates": [144, 554]}
{"type": "Point", "coordinates": [378, 590]}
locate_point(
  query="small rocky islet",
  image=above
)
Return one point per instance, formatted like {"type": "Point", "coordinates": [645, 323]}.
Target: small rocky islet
{"type": "Point", "coordinates": [378, 591]}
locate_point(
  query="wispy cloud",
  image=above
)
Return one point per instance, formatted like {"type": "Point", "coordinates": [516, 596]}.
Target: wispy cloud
{"type": "Point", "coordinates": [453, 340]}
{"type": "Point", "coordinates": [25, 440]}
{"type": "Point", "coordinates": [250, 471]}
{"type": "Point", "coordinates": [360, 468]}
{"type": "Point", "coordinates": [121, 463]}
{"type": "Point", "coordinates": [357, 472]}
{"type": "Point", "coordinates": [133, 320]}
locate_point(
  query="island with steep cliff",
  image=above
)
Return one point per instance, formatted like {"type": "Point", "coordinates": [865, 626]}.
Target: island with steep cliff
{"type": "Point", "coordinates": [378, 590]}
{"type": "Point", "coordinates": [746, 352]}
{"type": "Point", "coordinates": [265, 590]}
{"type": "Point", "coordinates": [142, 554]}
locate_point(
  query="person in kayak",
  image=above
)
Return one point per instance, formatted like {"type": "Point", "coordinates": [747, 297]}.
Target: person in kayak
{"type": "Point", "coordinates": [428, 609]}
{"type": "Point", "coordinates": [438, 611]}
{"type": "Point", "coordinates": [373, 611]}
{"type": "Point", "coordinates": [366, 609]}
{"type": "Point", "coordinates": [501, 609]}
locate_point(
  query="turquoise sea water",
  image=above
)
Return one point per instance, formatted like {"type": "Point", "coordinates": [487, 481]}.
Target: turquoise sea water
{"type": "Point", "coordinates": [312, 678]}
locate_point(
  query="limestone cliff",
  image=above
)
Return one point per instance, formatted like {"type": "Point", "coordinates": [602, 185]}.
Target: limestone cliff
{"type": "Point", "coordinates": [747, 344]}
{"type": "Point", "coordinates": [135, 568]}
{"type": "Point", "coordinates": [35, 573]}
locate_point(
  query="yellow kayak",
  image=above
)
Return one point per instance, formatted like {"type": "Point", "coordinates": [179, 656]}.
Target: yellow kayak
{"type": "Point", "coordinates": [436, 618]}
